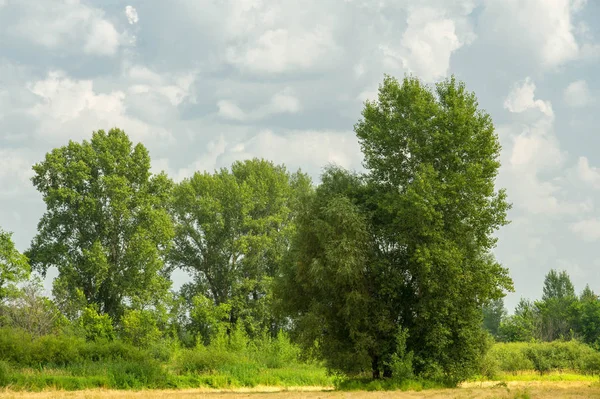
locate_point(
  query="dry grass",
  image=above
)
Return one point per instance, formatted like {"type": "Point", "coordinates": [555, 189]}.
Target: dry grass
{"type": "Point", "coordinates": [512, 390]}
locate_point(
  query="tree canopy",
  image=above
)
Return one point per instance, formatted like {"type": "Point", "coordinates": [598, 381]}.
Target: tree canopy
{"type": "Point", "coordinates": [14, 266]}
{"type": "Point", "coordinates": [409, 243]}
{"type": "Point", "coordinates": [233, 228]}
{"type": "Point", "coordinates": [106, 227]}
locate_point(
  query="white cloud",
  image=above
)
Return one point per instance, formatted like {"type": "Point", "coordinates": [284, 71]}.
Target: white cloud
{"type": "Point", "coordinates": [426, 45]}
{"type": "Point", "coordinates": [577, 94]}
{"type": "Point", "coordinates": [229, 110]}
{"type": "Point", "coordinates": [309, 150]}
{"type": "Point", "coordinates": [279, 50]}
{"type": "Point", "coordinates": [103, 39]}
{"type": "Point", "coordinates": [543, 28]}
{"type": "Point", "coordinates": [532, 151]}
{"type": "Point", "coordinates": [587, 173]}
{"type": "Point", "coordinates": [15, 171]}
{"type": "Point", "coordinates": [176, 88]}
{"type": "Point", "coordinates": [521, 98]}
{"type": "Point", "coordinates": [282, 102]}
{"type": "Point", "coordinates": [132, 15]}
{"type": "Point", "coordinates": [71, 109]}
{"type": "Point", "coordinates": [588, 230]}
{"type": "Point", "coordinates": [65, 24]}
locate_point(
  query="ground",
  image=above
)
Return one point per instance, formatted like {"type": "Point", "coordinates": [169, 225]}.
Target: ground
{"type": "Point", "coordinates": [510, 390]}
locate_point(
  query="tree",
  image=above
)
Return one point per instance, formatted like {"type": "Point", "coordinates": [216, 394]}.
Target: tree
{"type": "Point", "coordinates": [232, 229]}
{"type": "Point", "coordinates": [493, 313]}
{"type": "Point", "coordinates": [29, 310]}
{"type": "Point", "coordinates": [106, 226]}
{"type": "Point", "coordinates": [14, 266]}
{"type": "Point", "coordinates": [410, 242]}
{"type": "Point", "coordinates": [328, 283]}
{"type": "Point", "coordinates": [556, 306]}
{"type": "Point", "coordinates": [523, 326]}
{"type": "Point", "coordinates": [587, 317]}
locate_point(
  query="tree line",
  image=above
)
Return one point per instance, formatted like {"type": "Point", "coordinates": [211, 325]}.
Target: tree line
{"type": "Point", "coordinates": [560, 314]}
{"type": "Point", "coordinates": [384, 272]}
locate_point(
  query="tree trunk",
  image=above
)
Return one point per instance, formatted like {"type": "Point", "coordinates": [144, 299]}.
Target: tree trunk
{"type": "Point", "coordinates": [375, 367]}
{"type": "Point", "coordinates": [387, 371]}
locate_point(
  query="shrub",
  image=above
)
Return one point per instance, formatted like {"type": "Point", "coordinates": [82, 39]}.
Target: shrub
{"type": "Point", "coordinates": [136, 375]}
{"type": "Point", "coordinates": [96, 326]}
{"type": "Point", "coordinates": [203, 360]}
{"type": "Point", "coordinates": [401, 362]}
{"type": "Point", "coordinates": [5, 373]}
{"type": "Point", "coordinates": [140, 328]}
{"type": "Point", "coordinates": [274, 353]}
{"type": "Point", "coordinates": [509, 357]}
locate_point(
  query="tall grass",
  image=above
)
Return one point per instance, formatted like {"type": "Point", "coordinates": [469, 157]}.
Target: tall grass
{"type": "Point", "coordinates": [70, 363]}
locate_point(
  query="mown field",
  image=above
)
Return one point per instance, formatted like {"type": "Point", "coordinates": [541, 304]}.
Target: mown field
{"type": "Point", "coordinates": [512, 390]}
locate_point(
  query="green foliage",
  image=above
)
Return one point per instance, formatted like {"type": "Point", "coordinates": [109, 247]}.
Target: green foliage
{"type": "Point", "coordinates": [544, 357]}
{"type": "Point", "coordinates": [5, 373]}
{"type": "Point", "coordinates": [408, 244]}
{"type": "Point", "coordinates": [232, 229]}
{"type": "Point", "coordinates": [106, 227]}
{"type": "Point", "coordinates": [555, 308]}
{"type": "Point", "coordinates": [523, 326]}
{"type": "Point", "coordinates": [137, 375]}
{"type": "Point", "coordinates": [139, 328]}
{"type": "Point", "coordinates": [493, 313]}
{"type": "Point", "coordinates": [401, 361]}
{"type": "Point", "coordinates": [14, 266]}
{"type": "Point", "coordinates": [95, 326]}
{"type": "Point", "coordinates": [29, 310]}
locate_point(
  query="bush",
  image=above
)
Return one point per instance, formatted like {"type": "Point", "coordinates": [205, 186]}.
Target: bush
{"type": "Point", "coordinates": [509, 357]}
{"type": "Point", "coordinates": [544, 357]}
{"type": "Point", "coordinates": [203, 360]}
{"type": "Point", "coordinates": [134, 375]}
{"type": "Point", "coordinates": [274, 353]}
{"type": "Point", "coordinates": [5, 373]}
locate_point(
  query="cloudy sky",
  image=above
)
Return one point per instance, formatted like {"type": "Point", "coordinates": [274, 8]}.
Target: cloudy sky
{"type": "Point", "coordinates": [204, 82]}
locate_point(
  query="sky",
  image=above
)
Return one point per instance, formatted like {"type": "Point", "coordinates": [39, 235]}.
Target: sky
{"type": "Point", "coordinates": [203, 83]}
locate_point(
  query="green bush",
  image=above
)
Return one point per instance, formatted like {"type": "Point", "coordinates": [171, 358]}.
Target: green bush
{"type": "Point", "coordinates": [274, 353]}
{"type": "Point", "coordinates": [543, 357]}
{"type": "Point", "coordinates": [5, 373]}
{"type": "Point", "coordinates": [53, 350]}
{"type": "Point", "coordinates": [134, 375]}
{"type": "Point", "coordinates": [510, 358]}
{"type": "Point", "coordinates": [203, 360]}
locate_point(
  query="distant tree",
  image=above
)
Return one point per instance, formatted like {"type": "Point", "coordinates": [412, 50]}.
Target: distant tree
{"type": "Point", "coordinates": [556, 306]}
{"type": "Point", "coordinates": [493, 313]}
{"type": "Point", "coordinates": [587, 317]}
{"type": "Point", "coordinates": [232, 229]}
{"type": "Point", "coordinates": [523, 326]}
{"type": "Point", "coordinates": [558, 286]}
{"type": "Point", "coordinates": [106, 226]}
{"type": "Point", "coordinates": [407, 247]}
{"type": "Point", "coordinates": [14, 266]}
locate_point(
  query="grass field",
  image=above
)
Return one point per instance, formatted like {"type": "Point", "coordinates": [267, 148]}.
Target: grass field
{"type": "Point", "coordinates": [512, 390]}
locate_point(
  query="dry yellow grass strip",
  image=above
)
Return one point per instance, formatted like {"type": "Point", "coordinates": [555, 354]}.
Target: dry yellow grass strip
{"type": "Point", "coordinates": [513, 390]}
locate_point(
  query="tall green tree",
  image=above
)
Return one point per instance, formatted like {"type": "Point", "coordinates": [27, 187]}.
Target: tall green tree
{"type": "Point", "coordinates": [330, 283]}
{"type": "Point", "coordinates": [556, 306]}
{"type": "Point", "coordinates": [232, 229]}
{"type": "Point", "coordinates": [429, 210]}
{"type": "Point", "coordinates": [587, 317]}
{"type": "Point", "coordinates": [106, 227]}
{"type": "Point", "coordinates": [14, 266]}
